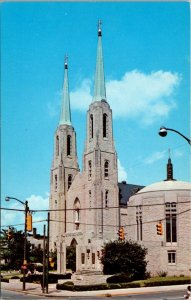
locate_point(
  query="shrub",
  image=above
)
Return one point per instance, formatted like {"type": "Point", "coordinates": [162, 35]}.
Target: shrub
{"type": "Point", "coordinates": [130, 285]}
{"type": "Point", "coordinates": [114, 286]}
{"type": "Point", "coordinates": [118, 278]}
{"type": "Point", "coordinates": [68, 285]}
{"type": "Point", "coordinates": [52, 278]}
{"type": "Point", "coordinates": [4, 280]}
{"type": "Point", "coordinates": [93, 287]}
{"type": "Point", "coordinates": [15, 277]}
{"type": "Point", "coordinates": [120, 257]}
{"type": "Point", "coordinates": [162, 274]}
{"type": "Point", "coordinates": [166, 282]}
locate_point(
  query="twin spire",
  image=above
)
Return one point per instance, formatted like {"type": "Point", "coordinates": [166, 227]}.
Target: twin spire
{"type": "Point", "coordinates": [65, 116]}
{"type": "Point", "coordinates": [99, 84]}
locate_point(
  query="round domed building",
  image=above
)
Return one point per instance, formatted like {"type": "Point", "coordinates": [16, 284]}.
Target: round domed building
{"type": "Point", "coordinates": [159, 218]}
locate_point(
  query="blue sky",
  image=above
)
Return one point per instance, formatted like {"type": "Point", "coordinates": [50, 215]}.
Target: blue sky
{"type": "Point", "coordinates": [146, 62]}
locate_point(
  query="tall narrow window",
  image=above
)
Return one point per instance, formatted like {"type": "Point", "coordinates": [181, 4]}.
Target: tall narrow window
{"type": "Point", "coordinates": [141, 227]}
{"type": "Point", "coordinates": [106, 169]}
{"type": "Point", "coordinates": [57, 145]}
{"type": "Point", "coordinates": [55, 182]}
{"type": "Point", "coordinates": [139, 223]}
{"type": "Point", "coordinates": [69, 181]}
{"type": "Point", "coordinates": [83, 258]}
{"type": "Point", "coordinates": [106, 198]}
{"type": "Point", "coordinates": [172, 257]}
{"type": "Point", "coordinates": [93, 258]}
{"type": "Point", "coordinates": [69, 145]}
{"type": "Point", "coordinates": [105, 129]}
{"type": "Point", "coordinates": [89, 169]}
{"type": "Point", "coordinates": [171, 230]}
{"type": "Point", "coordinates": [91, 127]}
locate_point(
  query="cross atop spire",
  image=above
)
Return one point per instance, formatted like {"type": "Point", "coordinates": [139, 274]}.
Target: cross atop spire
{"type": "Point", "coordinates": [99, 27]}
{"type": "Point", "coordinates": [169, 152]}
{"type": "Point", "coordinates": [99, 85]}
{"type": "Point", "coordinates": [66, 62]}
{"type": "Point", "coordinates": [65, 116]}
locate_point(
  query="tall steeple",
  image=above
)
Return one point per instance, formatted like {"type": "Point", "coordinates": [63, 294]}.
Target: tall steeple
{"type": "Point", "coordinates": [169, 168]}
{"type": "Point", "coordinates": [99, 88]}
{"type": "Point", "coordinates": [65, 116]}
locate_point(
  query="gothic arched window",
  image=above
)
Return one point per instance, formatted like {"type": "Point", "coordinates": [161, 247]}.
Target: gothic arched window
{"type": "Point", "coordinates": [77, 213]}
{"type": "Point", "coordinates": [57, 145]}
{"type": "Point", "coordinates": [69, 146]}
{"type": "Point", "coordinates": [91, 127]}
{"type": "Point", "coordinates": [106, 169]}
{"type": "Point", "coordinates": [55, 182]}
{"type": "Point", "coordinates": [105, 126]}
{"type": "Point", "coordinates": [69, 181]}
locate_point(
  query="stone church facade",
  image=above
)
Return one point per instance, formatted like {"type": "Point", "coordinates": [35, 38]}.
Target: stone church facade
{"type": "Point", "coordinates": [85, 206]}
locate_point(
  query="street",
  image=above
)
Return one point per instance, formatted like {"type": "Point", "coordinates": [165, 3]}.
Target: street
{"type": "Point", "coordinates": [174, 295]}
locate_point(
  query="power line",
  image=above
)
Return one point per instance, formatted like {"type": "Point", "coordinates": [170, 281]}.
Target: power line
{"type": "Point", "coordinates": [92, 208]}
{"type": "Point", "coordinates": [98, 225]}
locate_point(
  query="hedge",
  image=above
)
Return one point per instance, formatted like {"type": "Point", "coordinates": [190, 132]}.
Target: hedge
{"type": "Point", "coordinates": [166, 282]}
{"type": "Point", "coordinates": [93, 287]}
{"type": "Point", "coordinates": [15, 277]}
{"type": "Point", "coordinates": [120, 278]}
{"type": "Point", "coordinates": [69, 285]}
{"type": "Point", "coordinates": [52, 277]}
{"type": "Point", "coordinates": [4, 280]}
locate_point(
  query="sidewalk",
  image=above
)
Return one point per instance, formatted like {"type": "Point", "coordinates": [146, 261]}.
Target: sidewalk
{"type": "Point", "coordinates": [35, 289]}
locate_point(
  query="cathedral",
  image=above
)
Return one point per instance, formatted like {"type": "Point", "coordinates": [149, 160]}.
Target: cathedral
{"type": "Point", "coordinates": [88, 208]}
{"type": "Point", "coordinates": [85, 210]}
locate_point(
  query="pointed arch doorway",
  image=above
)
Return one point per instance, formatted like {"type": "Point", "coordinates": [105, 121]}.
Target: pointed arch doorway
{"type": "Point", "coordinates": [71, 255]}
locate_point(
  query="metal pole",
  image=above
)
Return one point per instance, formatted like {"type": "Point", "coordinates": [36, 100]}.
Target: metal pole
{"type": "Point", "coordinates": [182, 135]}
{"type": "Point", "coordinates": [47, 254]}
{"type": "Point", "coordinates": [44, 259]}
{"type": "Point", "coordinates": [25, 247]}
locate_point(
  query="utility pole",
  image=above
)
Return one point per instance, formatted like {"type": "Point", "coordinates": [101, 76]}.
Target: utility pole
{"type": "Point", "coordinates": [25, 247]}
{"type": "Point", "coordinates": [44, 260]}
{"type": "Point", "coordinates": [47, 253]}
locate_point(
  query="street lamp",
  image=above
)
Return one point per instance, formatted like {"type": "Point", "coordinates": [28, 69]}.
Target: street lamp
{"type": "Point", "coordinates": [163, 132]}
{"type": "Point", "coordinates": [25, 236]}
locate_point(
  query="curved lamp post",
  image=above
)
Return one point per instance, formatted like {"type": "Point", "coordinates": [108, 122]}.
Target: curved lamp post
{"type": "Point", "coordinates": [163, 132]}
{"type": "Point", "coordinates": [25, 235]}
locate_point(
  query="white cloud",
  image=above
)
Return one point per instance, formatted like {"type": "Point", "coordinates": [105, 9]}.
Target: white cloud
{"type": "Point", "coordinates": [81, 97]}
{"type": "Point", "coordinates": [155, 157]}
{"type": "Point", "coordinates": [178, 153]}
{"type": "Point", "coordinates": [122, 174]}
{"type": "Point", "coordinates": [145, 97]}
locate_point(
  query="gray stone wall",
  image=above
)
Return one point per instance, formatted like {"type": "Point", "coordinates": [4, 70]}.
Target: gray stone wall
{"type": "Point", "coordinates": [153, 210]}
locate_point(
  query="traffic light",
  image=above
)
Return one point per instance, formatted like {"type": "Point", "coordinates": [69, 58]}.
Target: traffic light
{"type": "Point", "coordinates": [51, 262]}
{"type": "Point", "coordinates": [159, 228]}
{"type": "Point", "coordinates": [29, 222]}
{"type": "Point", "coordinates": [9, 234]}
{"type": "Point", "coordinates": [121, 234]}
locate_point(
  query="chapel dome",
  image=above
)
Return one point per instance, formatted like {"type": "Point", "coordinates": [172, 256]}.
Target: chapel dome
{"type": "Point", "coordinates": [166, 185]}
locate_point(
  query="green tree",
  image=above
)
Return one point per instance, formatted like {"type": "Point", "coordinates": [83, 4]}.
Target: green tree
{"type": "Point", "coordinates": [13, 248]}
{"type": "Point", "coordinates": [36, 255]}
{"type": "Point", "coordinates": [126, 257]}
